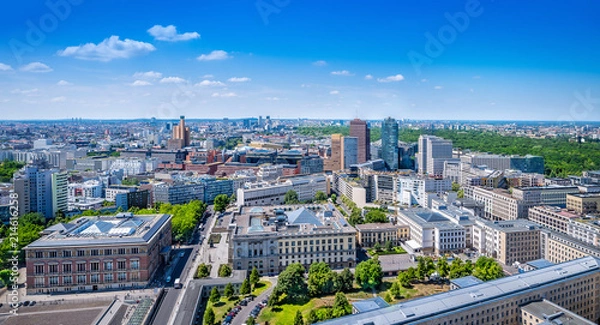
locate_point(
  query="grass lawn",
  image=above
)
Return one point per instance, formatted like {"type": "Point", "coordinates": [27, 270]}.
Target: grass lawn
{"type": "Point", "coordinates": [260, 287]}
{"type": "Point", "coordinates": [284, 314]}
{"type": "Point", "coordinates": [395, 250]}
{"type": "Point", "coordinates": [214, 238]}
{"type": "Point", "coordinates": [222, 307]}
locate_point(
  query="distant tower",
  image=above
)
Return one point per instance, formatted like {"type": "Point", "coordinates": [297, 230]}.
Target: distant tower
{"type": "Point", "coordinates": [181, 132]}
{"type": "Point", "coordinates": [359, 129]}
{"type": "Point", "coordinates": [389, 143]}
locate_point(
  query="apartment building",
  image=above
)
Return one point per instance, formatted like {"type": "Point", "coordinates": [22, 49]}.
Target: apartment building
{"type": "Point", "coordinates": [369, 234]}
{"type": "Point", "coordinates": [558, 248]}
{"type": "Point", "coordinates": [272, 237]}
{"type": "Point", "coordinates": [573, 285]}
{"type": "Point", "coordinates": [552, 217]}
{"type": "Point", "coordinates": [98, 253]}
{"type": "Point", "coordinates": [269, 193]}
{"type": "Point", "coordinates": [413, 189]}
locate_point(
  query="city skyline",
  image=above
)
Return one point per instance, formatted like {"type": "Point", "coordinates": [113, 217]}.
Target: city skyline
{"type": "Point", "coordinates": [460, 61]}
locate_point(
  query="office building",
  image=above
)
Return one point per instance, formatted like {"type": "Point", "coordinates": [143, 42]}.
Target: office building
{"type": "Point", "coordinates": [88, 189]}
{"type": "Point", "coordinates": [573, 285]}
{"type": "Point", "coordinates": [526, 164]}
{"type": "Point", "coordinates": [508, 241]}
{"type": "Point", "coordinates": [547, 313]}
{"type": "Point", "coordinates": [433, 232]}
{"type": "Point", "coordinates": [583, 203]}
{"type": "Point", "coordinates": [414, 189]}
{"type": "Point", "coordinates": [59, 192]}
{"type": "Point", "coordinates": [269, 193]}
{"type": "Point", "coordinates": [98, 253]}
{"type": "Point", "coordinates": [334, 162]}
{"type": "Point", "coordinates": [178, 193]}
{"type": "Point", "coordinates": [433, 152]}
{"type": "Point", "coordinates": [558, 248]}
{"type": "Point", "coordinates": [389, 143]}
{"type": "Point", "coordinates": [360, 130]}
{"type": "Point", "coordinates": [349, 152]}
{"type": "Point", "coordinates": [272, 237]}
{"type": "Point", "coordinates": [311, 164]}
{"type": "Point", "coordinates": [552, 217]}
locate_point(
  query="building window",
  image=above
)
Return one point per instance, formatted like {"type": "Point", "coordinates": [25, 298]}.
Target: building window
{"type": "Point", "coordinates": [81, 279]}
{"type": "Point", "coordinates": [121, 265]}
{"type": "Point", "coordinates": [39, 254]}
{"type": "Point", "coordinates": [122, 276]}
{"type": "Point", "coordinates": [67, 280]}
{"type": "Point", "coordinates": [108, 266]}
{"type": "Point", "coordinates": [135, 264]}
{"type": "Point", "coordinates": [67, 268]}
{"type": "Point", "coordinates": [108, 252]}
{"type": "Point", "coordinates": [121, 251]}
{"type": "Point", "coordinates": [95, 278]}
{"type": "Point", "coordinates": [135, 250]}
{"type": "Point", "coordinates": [53, 268]}
{"type": "Point", "coordinates": [80, 253]}
{"type": "Point", "coordinates": [53, 280]}
{"type": "Point", "coordinates": [108, 277]}
{"type": "Point", "coordinates": [66, 253]}
{"type": "Point", "coordinates": [95, 266]}
{"type": "Point", "coordinates": [80, 267]}
{"type": "Point", "coordinates": [52, 255]}
{"type": "Point", "coordinates": [94, 252]}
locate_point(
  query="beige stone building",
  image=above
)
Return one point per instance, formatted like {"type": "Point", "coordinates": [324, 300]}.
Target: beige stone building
{"type": "Point", "coordinates": [371, 233]}
{"type": "Point", "coordinates": [583, 203]}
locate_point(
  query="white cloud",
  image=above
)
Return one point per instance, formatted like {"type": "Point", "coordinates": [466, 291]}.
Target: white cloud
{"type": "Point", "coordinates": [476, 77]}
{"type": "Point", "coordinates": [438, 87]}
{"type": "Point", "coordinates": [424, 80]}
{"type": "Point", "coordinates": [109, 49]}
{"type": "Point", "coordinates": [224, 95]}
{"type": "Point", "coordinates": [139, 83]}
{"type": "Point", "coordinates": [147, 75]}
{"type": "Point", "coordinates": [64, 83]}
{"type": "Point", "coordinates": [342, 73]}
{"type": "Point", "coordinates": [28, 92]}
{"type": "Point", "coordinates": [36, 67]}
{"type": "Point", "coordinates": [320, 63]}
{"type": "Point", "coordinates": [208, 76]}
{"type": "Point", "coordinates": [334, 92]}
{"type": "Point", "coordinates": [214, 55]}
{"type": "Point", "coordinates": [368, 77]}
{"type": "Point", "coordinates": [59, 99]}
{"type": "Point", "coordinates": [471, 90]}
{"type": "Point", "coordinates": [209, 83]}
{"type": "Point", "coordinates": [5, 67]}
{"type": "Point", "coordinates": [169, 34]}
{"type": "Point", "coordinates": [172, 80]}
{"type": "Point", "coordinates": [236, 79]}
{"type": "Point", "coordinates": [273, 98]}
{"type": "Point", "coordinates": [395, 78]}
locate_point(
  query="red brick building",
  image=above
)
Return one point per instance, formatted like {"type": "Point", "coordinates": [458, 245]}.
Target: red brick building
{"type": "Point", "coordinates": [98, 253]}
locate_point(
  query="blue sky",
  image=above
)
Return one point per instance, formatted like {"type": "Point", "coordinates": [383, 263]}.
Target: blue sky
{"type": "Point", "coordinates": [534, 60]}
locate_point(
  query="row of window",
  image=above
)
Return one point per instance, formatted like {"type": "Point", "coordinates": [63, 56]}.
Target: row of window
{"type": "Point", "coordinates": [84, 252]}
{"type": "Point", "coordinates": [312, 242]}
{"type": "Point", "coordinates": [82, 279]}
{"type": "Point", "coordinates": [40, 269]}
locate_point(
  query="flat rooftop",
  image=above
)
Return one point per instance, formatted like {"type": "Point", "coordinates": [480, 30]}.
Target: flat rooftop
{"type": "Point", "coordinates": [554, 314]}
{"type": "Point", "coordinates": [102, 230]}
{"type": "Point", "coordinates": [378, 226]}
{"type": "Point", "coordinates": [453, 301]}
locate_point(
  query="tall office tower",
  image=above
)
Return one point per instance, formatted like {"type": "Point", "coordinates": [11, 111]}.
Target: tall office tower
{"type": "Point", "coordinates": [389, 143]}
{"type": "Point", "coordinates": [433, 152]}
{"type": "Point", "coordinates": [181, 132]}
{"type": "Point", "coordinates": [41, 190]}
{"type": "Point", "coordinates": [360, 130]}
{"type": "Point", "coordinates": [335, 160]}
{"type": "Point", "coordinates": [349, 152]}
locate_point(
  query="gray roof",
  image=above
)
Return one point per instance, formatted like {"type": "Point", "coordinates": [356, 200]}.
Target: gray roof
{"type": "Point", "coordinates": [369, 304]}
{"type": "Point", "coordinates": [303, 215]}
{"type": "Point", "coordinates": [100, 232]}
{"type": "Point", "coordinates": [539, 264]}
{"type": "Point", "coordinates": [466, 281]}
{"type": "Point", "coordinates": [452, 301]}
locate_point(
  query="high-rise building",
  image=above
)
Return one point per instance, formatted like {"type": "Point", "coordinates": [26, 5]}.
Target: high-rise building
{"type": "Point", "coordinates": [335, 159]}
{"type": "Point", "coordinates": [433, 152]}
{"type": "Point", "coordinates": [360, 130]}
{"type": "Point", "coordinates": [41, 189]}
{"type": "Point", "coordinates": [349, 152]}
{"type": "Point", "coordinates": [389, 143]}
{"type": "Point", "coordinates": [181, 132]}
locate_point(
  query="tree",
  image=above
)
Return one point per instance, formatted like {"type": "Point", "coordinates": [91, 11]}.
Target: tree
{"type": "Point", "coordinates": [486, 268]}
{"type": "Point", "coordinates": [224, 270]}
{"type": "Point", "coordinates": [321, 280]}
{"type": "Point", "coordinates": [421, 268]}
{"type": "Point", "coordinates": [291, 197]}
{"type": "Point", "coordinates": [460, 194]}
{"type": "Point", "coordinates": [368, 274]}
{"type": "Point", "coordinates": [388, 297]}
{"type": "Point", "coordinates": [291, 282]}
{"type": "Point", "coordinates": [389, 246]}
{"type": "Point", "coordinates": [214, 295]}
{"type": "Point", "coordinates": [346, 280]}
{"type": "Point", "coordinates": [403, 280]}
{"type": "Point", "coordinates": [5, 276]}
{"type": "Point", "coordinates": [312, 317]}
{"type": "Point", "coordinates": [395, 289]}
{"type": "Point", "coordinates": [376, 216]}
{"type": "Point", "coordinates": [221, 202]}
{"type": "Point", "coordinates": [320, 196]}
{"type": "Point", "coordinates": [333, 198]}
{"type": "Point", "coordinates": [455, 187]}
{"type": "Point", "coordinates": [341, 306]}
{"type": "Point", "coordinates": [442, 267]}
{"type": "Point", "coordinates": [229, 291]}
{"type": "Point", "coordinates": [411, 274]}
{"type": "Point", "coordinates": [245, 288]}
{"type": "Point", "coordinates": [298, 320]}
{"type": "Point", "coordinates": [250, 321]}
{"type": "Point", "coordinates": [254, 277]}
{"type": "Point", "coordinates": [209, 316]}
{"type": "Point", "coordinates": [377, 247]}
{"type": "Point", "coordinates": [203, 271]}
